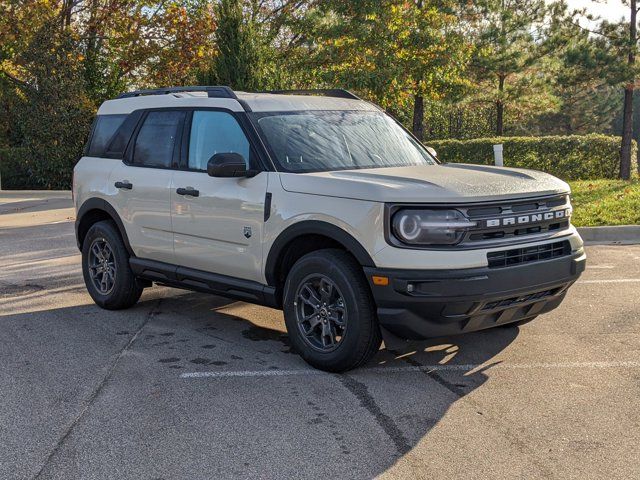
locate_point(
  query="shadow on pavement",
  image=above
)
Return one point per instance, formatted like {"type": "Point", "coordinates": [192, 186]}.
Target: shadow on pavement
{"type": "Point", "coordinates": [79, 381]}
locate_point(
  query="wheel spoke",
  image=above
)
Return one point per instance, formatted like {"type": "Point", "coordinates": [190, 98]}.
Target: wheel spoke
{"type": "Point", "coordinates": [104, 282]}
{"type": "Point", "coordinates": [328, 335]}
{"type": "Point", "coordinates": [326, 291]}
{"type": "Point", "coordinates": [312, 299]}
{"type": "Point", "coordinates": [337, 318]}
{"type": "Point", "coordinates": [313, 322]}
{"type": "Point", "coordinates": [97, 252]}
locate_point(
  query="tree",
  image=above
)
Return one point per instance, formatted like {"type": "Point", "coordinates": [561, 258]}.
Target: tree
{"type": "Point", "coordinates": [238, 62]}
{"type": "Point", "coordinates": [51, 107]}
{"type": "Point", "coordinates": [395, 52]}
{"type": "Point", "coordinates": [508, 60]}
{"type": "Point", "coordinates": [627, 117]}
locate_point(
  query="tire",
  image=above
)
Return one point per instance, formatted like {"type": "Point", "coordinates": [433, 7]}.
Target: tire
{"type": "Point", "coordinates": [119, 289]}
{"type": "Point", "coordinates": [349, 319]}
{"type": "Point", "coordinates": [519, 323]}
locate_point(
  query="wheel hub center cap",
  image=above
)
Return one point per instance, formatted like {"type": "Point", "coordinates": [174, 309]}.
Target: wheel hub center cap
{"type": "Point", "coordinates": [323, 312]}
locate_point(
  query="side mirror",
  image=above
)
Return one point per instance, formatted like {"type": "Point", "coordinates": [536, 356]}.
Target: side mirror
{"type": "Point", "coordinates": [227, 165]}
{"type": "Point", "coordinates": [432, 151]}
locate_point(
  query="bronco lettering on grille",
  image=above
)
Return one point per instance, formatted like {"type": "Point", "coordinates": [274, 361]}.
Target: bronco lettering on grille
{"type": "Point", "coordinates": [526, 219]}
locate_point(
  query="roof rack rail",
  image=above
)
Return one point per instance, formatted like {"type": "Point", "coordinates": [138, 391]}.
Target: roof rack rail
{"type": "Point", "coordinates": [212, 91]}
{"type": "Point", "coordinates": [325, 92]}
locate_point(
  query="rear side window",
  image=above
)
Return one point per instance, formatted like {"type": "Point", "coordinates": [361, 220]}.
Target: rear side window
{"type": "Point", "coordinates": [215, 132]}
{"type": "Point", "coordinates": [156, 140]}
{"type": "Point", "coordinates": [105, 127]}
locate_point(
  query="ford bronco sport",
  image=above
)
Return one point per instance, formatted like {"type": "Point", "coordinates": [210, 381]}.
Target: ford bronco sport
{"type": "Point", "coordinates": [320, 204]}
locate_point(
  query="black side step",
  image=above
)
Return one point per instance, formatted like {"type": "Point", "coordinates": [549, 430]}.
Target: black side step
{"type": "Point", "coordinates": [205, 282]}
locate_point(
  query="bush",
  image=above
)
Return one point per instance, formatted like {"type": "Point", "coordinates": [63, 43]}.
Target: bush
{"type": "Point", "coordinates": [52, 111]}
{"type": "Point", "coordinates": [573, 157]}
{"type": "Point", "coordinates": [13, 169]}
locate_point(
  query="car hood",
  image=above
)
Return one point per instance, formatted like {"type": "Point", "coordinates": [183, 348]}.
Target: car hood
{"type": "Point", "coordinates": [445, 183]}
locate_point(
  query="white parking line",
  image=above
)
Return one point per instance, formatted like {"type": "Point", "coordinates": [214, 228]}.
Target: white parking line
{"type": "Point", "coordinates": [416, 368]}
{"type": "Point", "coordinates": [613, 280]}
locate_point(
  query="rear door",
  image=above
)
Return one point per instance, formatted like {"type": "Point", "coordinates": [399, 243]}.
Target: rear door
{"type": "Point", "coordinates": [142, 184]}
{"type": "Point", "coordinates": [218, 227]}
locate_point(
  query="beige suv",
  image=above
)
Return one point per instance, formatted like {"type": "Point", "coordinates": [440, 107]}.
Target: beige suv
{"type": "Point", "coordinates": [318, 203]}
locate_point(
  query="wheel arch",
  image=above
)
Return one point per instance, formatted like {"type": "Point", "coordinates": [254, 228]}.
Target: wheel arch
{"type": "Point", "coordinates": [95, 210]}
{"type": "Point", "coordinates": [304, 237]}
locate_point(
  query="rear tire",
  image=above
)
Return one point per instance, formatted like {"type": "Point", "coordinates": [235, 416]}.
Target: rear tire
{"type": "Point", "coordinates": [329, 311]}
{"type": "Point", "coordinates": [105, 267]}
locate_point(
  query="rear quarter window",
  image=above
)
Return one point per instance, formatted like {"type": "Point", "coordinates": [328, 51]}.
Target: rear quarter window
{"type": "Point", "coordinates": [104, 129]}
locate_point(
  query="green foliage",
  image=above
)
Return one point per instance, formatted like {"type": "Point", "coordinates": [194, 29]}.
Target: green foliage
{"type": "Point", "coordinates": [52, 108]}
{"type": "Point", "coordinates": [509, 60]}
{"type": "Point", "coordinates": [605, 202]}
{"type": "Point", "coordinates": [13, 168]}
{"type": "Point", "coordinates": [389, 50]}
{"type": "Point", "coordinates": [238, 62]}
{"type": "Point", "coordinates": [572, 157]}
{"type": "Point", "coordinates": [458, 120]}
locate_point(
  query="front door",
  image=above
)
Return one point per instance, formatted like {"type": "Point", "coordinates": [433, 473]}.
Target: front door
{"type": "Point", "coordinates": [218, 222]}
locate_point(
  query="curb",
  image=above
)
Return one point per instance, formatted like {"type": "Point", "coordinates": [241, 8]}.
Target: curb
{"type": "Point", "coordinates": [622, 234]}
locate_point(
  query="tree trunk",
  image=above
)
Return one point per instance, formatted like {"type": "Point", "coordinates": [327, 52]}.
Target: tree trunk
{"type": "Point", "coordinates": [627, 130]}
{"type": "Point", "coordinates": [500, 107]}
{"type": "Point", "coordinates": [627, 118]}
{"type": "Point", "coordinates": [418, 117]}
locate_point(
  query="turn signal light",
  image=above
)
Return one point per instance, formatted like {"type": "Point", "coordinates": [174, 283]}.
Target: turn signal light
{"type": "Point", "coordinates": [380, 281]}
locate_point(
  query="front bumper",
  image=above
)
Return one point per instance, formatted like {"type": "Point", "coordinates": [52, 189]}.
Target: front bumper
{"type": "Point", "coordinates": [418, 304]}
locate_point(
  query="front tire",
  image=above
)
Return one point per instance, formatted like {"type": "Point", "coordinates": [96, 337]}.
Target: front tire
{"type": "Point", "coordinates": [329, 311]}
{"type": "Point", "coordinates": [105, 267]}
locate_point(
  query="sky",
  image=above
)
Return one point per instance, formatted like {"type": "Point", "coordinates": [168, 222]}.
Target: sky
{"type": "Point", "coordinates": [611, 10]}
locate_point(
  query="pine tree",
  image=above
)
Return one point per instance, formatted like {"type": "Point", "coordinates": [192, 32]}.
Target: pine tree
{"type": "Point", "coordinates": [238, 62]}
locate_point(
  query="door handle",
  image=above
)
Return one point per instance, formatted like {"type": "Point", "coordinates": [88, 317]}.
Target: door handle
{"type": "Point", "coordinates": [188, 191]}
{"type": "Point", "coordinates": [125, 185]}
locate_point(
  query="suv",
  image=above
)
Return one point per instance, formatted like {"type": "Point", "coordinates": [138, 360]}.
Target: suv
{"type": "Point", "coordinates": [320, 204]}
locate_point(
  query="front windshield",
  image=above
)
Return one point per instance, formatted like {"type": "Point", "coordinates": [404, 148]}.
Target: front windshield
{"type": "Point", "coordinates": [316, 141]}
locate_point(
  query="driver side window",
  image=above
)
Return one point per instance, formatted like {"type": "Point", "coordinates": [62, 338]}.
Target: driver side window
{"type": "Point", "coordinates": [215, 132]}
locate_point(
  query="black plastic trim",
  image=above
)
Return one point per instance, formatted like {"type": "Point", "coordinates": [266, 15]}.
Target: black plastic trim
{"type": "Point", "coordinates": [205, 282]}
{"type": "Point", "coordinates": [324, 92]}
{"type": "Point", "coordinates": [310, 227]}
{"type": "Point", "coordinates": [123, 135]}
{"type": "Point", "coordinates": [267, 206]}
{"type": "Point", "coordinates": [103, 205]}
{"type": "Point", "coordinates": [430, 303]}
{"type": "Point", "coordinates": [213, 91]}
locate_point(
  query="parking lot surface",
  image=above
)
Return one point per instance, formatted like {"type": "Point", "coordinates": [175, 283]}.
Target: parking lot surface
{"type": "Point", "coordinates": [191, 386]}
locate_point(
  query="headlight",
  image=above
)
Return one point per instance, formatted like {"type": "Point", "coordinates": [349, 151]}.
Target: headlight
{"type": "Point", "coordinates": [430, 227]}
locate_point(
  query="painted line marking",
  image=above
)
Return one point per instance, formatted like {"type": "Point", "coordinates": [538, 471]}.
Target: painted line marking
{"type": "Point", "coordinates": [614, 280]}
{"type": "Point", "coordinates": [415, 368]}
{"type": "Point", "coordinates": [593, 267]}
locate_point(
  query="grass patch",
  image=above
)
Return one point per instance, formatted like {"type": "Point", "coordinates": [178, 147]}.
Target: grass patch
{"type": "Point", "coordinates": [605, 202]}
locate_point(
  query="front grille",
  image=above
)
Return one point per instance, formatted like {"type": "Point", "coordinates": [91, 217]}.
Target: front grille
{"type": "Point", "coordinates": [508, 302]}
{"type": "Point", "coordinates": [485, 233]}
{"type": "Point", "coordinates": [519, 256]}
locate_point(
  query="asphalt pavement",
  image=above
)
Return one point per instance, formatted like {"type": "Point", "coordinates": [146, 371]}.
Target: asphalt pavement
{"type": "Point", "coordinates": [191, 386]}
